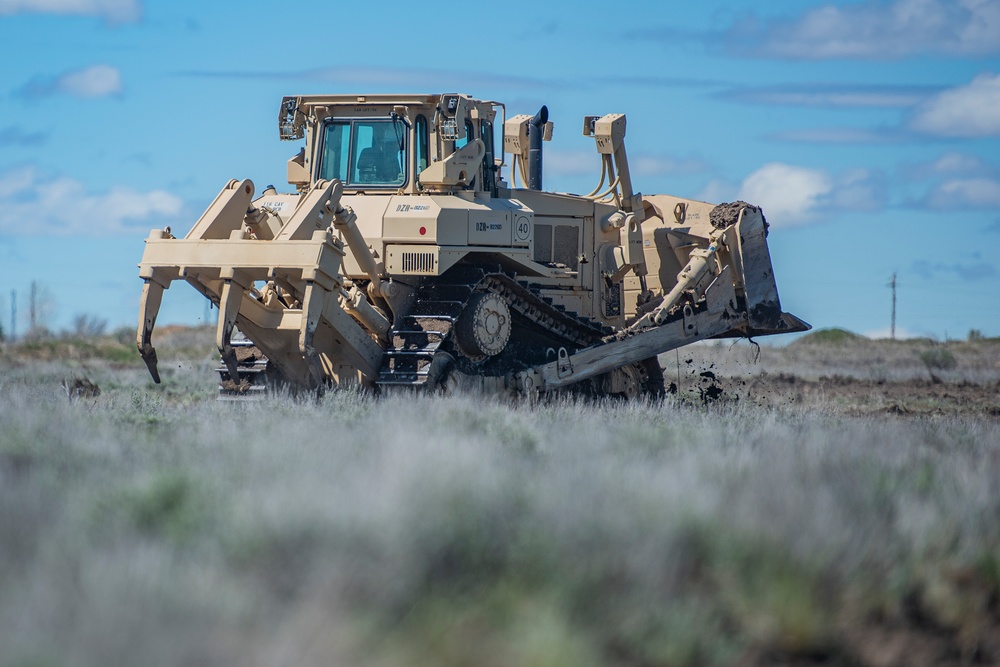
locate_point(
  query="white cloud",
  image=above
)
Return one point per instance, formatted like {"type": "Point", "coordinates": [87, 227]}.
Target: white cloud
{"type": "Point", "coordinates": [112, 11]}
{"type": "Point", "coordinates": [36, 206]}
{"type": "Point", "coordinates": [954, 181]}
{"type": "Point", "coordinates": [877, 29]}
{"type": "Point", "coordinates": [95, 81]}
{"type": "Point", "coordinates": [958, 163]}
{"type": "Point", "coordinates": [792, 195]}
{"type": "Point", "coordinates": [858, 190]}
{"type": "Point", "coordinates": [965, 193]}
{"type": "Point", "coordinates": [14, 181]}
{"type": "Point", "coordinates": [789, 195]}
{"type": "Point", "coordinates": [965, 111]}
{"type": "Point", "coordinates": [89, 82]}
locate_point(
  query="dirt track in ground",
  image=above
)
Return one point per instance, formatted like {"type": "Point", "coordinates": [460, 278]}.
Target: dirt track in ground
{"type": "Point", "coordinates": [859, 377]}
{"type": "Point", "coordinates": [872, 397]}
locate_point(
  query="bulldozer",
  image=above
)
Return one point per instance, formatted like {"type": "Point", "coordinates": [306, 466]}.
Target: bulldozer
{"type": "Point", "coordinates": [405, 258]}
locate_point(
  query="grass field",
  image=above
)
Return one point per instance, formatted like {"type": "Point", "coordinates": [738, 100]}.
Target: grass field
{"type": "Point", "coordinates": [839, 504]}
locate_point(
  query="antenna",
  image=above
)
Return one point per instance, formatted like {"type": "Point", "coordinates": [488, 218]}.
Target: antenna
{"type": "Point", "coordinates": [892, 284]}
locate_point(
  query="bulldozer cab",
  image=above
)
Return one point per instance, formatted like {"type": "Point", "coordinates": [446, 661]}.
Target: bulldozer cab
{"type": "Point", "coordinates": [393, 144]}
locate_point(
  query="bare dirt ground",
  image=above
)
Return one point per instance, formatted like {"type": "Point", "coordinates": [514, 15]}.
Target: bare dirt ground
{"type": "Point", "coordinates": [863, 397]}
{"type": "Point", "coordinates": [845, 375]}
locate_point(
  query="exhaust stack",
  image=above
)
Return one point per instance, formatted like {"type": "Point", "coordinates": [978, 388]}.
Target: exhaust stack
{"type": "Point", "coordinates": [522, 137]}
{"type": "Point", "coordinates": [536, 133]}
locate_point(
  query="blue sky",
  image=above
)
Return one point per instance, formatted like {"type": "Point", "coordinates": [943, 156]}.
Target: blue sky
{"type": "Point", "coordinates": [869, 131]}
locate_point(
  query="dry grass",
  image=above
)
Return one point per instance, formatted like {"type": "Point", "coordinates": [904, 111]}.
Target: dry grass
{"type": "Point", "coordinates": [156, 526]}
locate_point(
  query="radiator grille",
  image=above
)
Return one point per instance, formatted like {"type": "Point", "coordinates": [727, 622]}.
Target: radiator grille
{"type": "Point", "coordinates": [418, 262]}
{"type": "Point", "coordinates": [543, 243]}
{"type": "Point", "coordinates": [557, 243]}
{"type": "Point", "coordinates": [566, 245]}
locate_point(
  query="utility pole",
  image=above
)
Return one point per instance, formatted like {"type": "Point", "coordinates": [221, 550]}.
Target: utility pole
{"type": "Point", "coordinates": [33, 307]}
{"type": "Point", "coordinates": [13, 315]}
{"type": "Point", "coordinates": [892, 284]}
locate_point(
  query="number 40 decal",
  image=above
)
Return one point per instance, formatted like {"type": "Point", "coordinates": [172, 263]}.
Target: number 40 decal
{"type": "Point", "coordinates": [522, 229]}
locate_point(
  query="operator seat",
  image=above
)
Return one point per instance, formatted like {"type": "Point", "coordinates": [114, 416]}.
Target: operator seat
{"type": "Point", "coordinates": [369, 162]}
{"type": "Point", "coordinates": [391, 170]}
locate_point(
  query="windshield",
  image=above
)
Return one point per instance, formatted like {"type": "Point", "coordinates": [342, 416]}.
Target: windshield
{"type": "Point", "coordinates": [364, 153]}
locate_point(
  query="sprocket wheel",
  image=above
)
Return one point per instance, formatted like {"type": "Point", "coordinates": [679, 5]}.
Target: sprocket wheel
{"type": "Point", "coordinates": [484, 327]}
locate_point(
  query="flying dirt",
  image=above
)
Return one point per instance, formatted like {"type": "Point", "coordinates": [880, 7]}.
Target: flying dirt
{"type": "Point", "coordinates": [404, 258]}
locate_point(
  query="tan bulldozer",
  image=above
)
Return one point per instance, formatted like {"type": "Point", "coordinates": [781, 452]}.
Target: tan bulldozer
{"type": "Point", "coordinates": [406, 258]}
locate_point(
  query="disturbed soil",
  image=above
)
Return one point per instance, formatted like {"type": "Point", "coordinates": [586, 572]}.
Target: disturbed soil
{"type": "Point", "coordinates": [856, 376]}
{"type": "Point", "coordinates": [857, 396]}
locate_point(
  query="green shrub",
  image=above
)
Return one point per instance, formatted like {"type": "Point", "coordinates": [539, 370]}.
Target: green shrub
{"type": "Point", "coordinates": [168, 505]}
{"type": "Point", "coordinates": [938, 359]}
{"type": "Point", "coordinates": [833, 336]}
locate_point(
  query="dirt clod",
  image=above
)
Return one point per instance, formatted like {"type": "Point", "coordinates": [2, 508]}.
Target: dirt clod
{"type": "Point", "coordinates": [78, 388]}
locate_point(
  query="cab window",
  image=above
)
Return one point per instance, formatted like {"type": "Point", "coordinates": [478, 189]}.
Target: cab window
{"type": "Point", "coordinates": [336, 151]}
{"type": "Point", "coordinates": [489, 169]}
{"type": "Point", "coordinates": [420, 127]}
{"type": "Point", "coordinates": [470, 134]}
{"type": "Point", "coordinates": [364, 153]}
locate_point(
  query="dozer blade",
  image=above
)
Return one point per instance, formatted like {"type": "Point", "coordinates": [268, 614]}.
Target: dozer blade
{"type": "Point", "coordinates": [751, 258]}
{"type": "Point", "coordinates": [763, 305]}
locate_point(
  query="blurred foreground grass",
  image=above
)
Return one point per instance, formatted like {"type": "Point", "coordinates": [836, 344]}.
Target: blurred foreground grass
{"type": "Point", "coordinates": [154, 526]}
